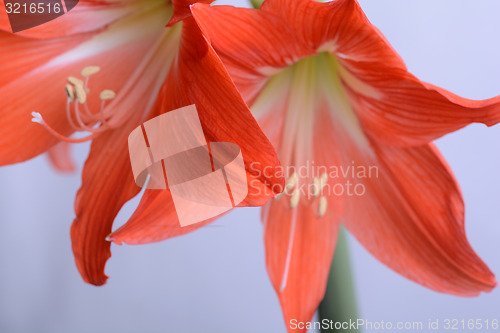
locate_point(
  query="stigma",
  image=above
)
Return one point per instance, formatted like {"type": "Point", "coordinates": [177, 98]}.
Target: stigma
{"type": "Point", "coordinates": [78, 113]}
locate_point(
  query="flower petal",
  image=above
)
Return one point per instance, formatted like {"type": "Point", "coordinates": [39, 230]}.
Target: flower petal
{"type": "Point", "coordinates": [392, 105]}
{"type": "Point", "coordinates": [30, 64]}
{"type": "Point", "coordinates": [87, 16]}
{"type": "Point", "coordinates": [60, 157]}
{"type": "Point", "coordinates": [224, 117]}
{"type": "Point", "coordinates": [107, 179]}
{"type": "Point", "coordinates": [410, 215]}
{"type": "Point", "coordinates": [200, 78]}
{"type": "Point", "coordinates": [299, 250]}
{"type": "Point", "coordinates": [154, 220]}
{"type": "Point", "coordinates": [251, 43]}
{"type": "Point", "coordinates": [107, 183]}
{"type": "Point", "coordinates": [182, 10]}
{"type": "Point", "coordinates": [398, 109]}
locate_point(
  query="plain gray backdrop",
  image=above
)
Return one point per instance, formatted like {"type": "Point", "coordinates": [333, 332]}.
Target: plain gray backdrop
{"type": "Point", "coordinates": [214, 280]}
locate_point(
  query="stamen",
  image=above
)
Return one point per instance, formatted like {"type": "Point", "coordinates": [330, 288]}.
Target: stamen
{"type": "Point", "coordinates": [82, 125]}
{"type": "Point", "coordinates": [323, 179]}
{"type": "Point", "coordinates": [323, 205]}
{"type": "Point", "coordinates": [70, 92]}
{"type": "Point", "coordinates": [294, 200]}
{"type": "Point", "coordinates": [319, 184]}
{"type": "Point", "coordinates": [90, 70]}
{"type": "Point", "coordinates": [316, 188]}
{"type": "Point", "coordinates": [76, 91]}
{"type": "Point", "coordinates": [290, 183]}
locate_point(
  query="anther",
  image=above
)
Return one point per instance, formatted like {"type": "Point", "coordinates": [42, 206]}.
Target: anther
{"type": "Point", "coordinates": [323, 179]}
{"type": "Point", "coordinates": [290, 183]}
{"type": "Point", "coordinates": [107, 95]}
{"type": "Point", "coordinates": [81, 95]}
{"type": "Point", "coordinates": [316, 188]}
{"type": "Point", "coordinates": [90, 70]}
{"type": "Point", "coordinates": [322, 206]}
{"type": "Point", "coordinates": [70, 92]}
{"type": "Point", "coordinates": [294, 199]}
{"type": "Point", "coordinates": [74, 81]}
{"type": "Point", "coordinates": [76, 91]}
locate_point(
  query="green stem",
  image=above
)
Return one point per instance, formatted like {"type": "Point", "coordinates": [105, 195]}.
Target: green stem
{"type": "Point", "coordinates": [339, 304]}
{"type": "Point", "coordinates": [256, 3]}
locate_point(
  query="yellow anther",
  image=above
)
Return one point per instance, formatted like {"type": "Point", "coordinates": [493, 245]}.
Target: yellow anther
{"type": "Point", "coordinates": [290, 183]}
{"type": "Point", "coordinates": [90, 70]}
{"type": "Point", "coordinates": [70, 92]}
{"type": "Point", "coordinates": [316, 188]}
{"type": "Point", "coordinates": [323, 179]}
{"type": "Point", "coordinates": [74, 81]}
{"type": "Point", "coordinates": [107, 95]}
{"type": "Point", "coordinates": [294, 199]}
{"type": "Point", "coordinates": [81, 95]}
{"type": "Point", "coordinates": [323, 205]}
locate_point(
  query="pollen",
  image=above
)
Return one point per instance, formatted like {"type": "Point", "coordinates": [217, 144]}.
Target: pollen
{"type": "Point", "coordinates": [322, 206]}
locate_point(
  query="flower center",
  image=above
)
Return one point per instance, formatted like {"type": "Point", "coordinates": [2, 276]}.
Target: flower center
{"type": "Point", "coordinates": [294, 192]}
{"type": "Point", "coordinates": [145, 75]}
{"type": "Point", "coordinates": [308, 99]}
{"type": "Point", "coordinates": [77, 110]}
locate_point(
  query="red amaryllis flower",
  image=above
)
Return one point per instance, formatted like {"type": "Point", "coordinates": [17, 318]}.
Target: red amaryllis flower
{"type": "Point", "coordinates": [142, 69]}
{"type": "Point", "coordinates": [330, 91]}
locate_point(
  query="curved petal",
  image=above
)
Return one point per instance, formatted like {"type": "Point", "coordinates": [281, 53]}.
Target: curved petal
{"type": "Point", "coordinates": [27, 74]}
{"type": "Point", "coordinates": [408, 211]}
{"type": "Point", "coordinates": [60, 157]}
{"type": "Point", "coordinates": [87, 16]}
{"type": "Point", "coordinates": [200, 78]}
{"type": "Point", "coordinates": [300, 241]}
{"type": "Point", "coordinates": [392, 105]}
{"type": "Point", "coordinates": [224, 117]}
{"type": "Point", "coordinates": [107, 183]}
{"type": "Point", "coordinates": [252, 44]}
{"type": "Point", "coordinates": [339, 26]}
{"type": "Point", "coordinates": [107, 179]}
{"type": "Point", "coordinates": [299, 250]}
{"type": "Point", "coordinates": [396, 108]}
{"type": "Point", "coordinates": [182, 9]}
{"type": "Point", "coordinates": [154, 220]}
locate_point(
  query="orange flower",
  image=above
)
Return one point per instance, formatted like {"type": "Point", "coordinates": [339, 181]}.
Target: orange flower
{"type": "Point", "coordinates": [144, 69]}
{"type": "Point", "coordinates": [328, 89]}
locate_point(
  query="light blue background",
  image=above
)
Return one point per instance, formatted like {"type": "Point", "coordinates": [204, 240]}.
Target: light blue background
{"type": "Point", "coordinates": [214, 280]}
